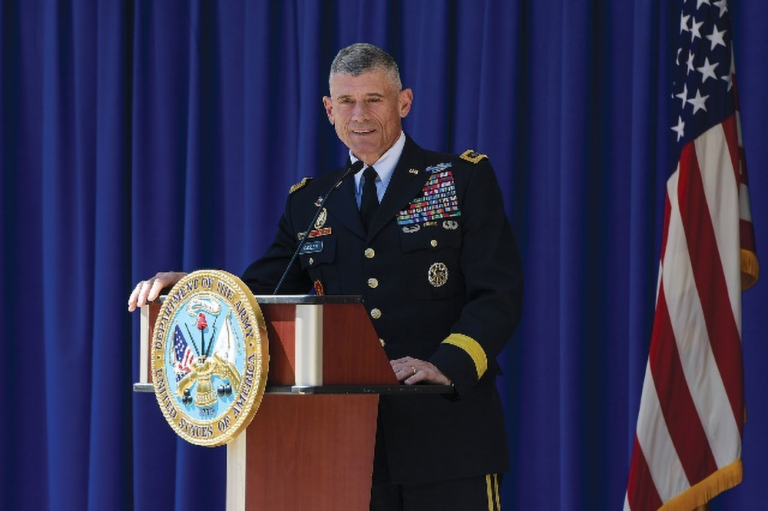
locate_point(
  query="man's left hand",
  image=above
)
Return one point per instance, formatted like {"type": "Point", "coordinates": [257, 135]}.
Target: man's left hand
{"type": "Point", "coordinates": [411, 370]}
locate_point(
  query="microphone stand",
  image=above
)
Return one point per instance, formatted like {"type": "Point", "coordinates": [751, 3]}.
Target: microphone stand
{"type": "Point", "coordinates": [353, 169]}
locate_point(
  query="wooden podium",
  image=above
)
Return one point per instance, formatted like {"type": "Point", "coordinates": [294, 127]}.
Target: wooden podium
{"type": "Point", "coordinates": [311, 443]}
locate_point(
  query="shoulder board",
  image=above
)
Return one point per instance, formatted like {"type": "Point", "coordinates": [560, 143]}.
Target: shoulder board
{"type": "Point", "coordinates": [300, 184]}
{"type": "Point", "coordinates": [473, 157]}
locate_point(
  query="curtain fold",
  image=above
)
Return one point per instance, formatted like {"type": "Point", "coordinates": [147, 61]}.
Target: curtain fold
{"type": "Point", "coordinates": [145, 136]}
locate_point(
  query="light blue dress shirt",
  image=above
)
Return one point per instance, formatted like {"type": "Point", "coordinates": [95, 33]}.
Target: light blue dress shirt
{"type": "Point", "coordinates": [385, 167]}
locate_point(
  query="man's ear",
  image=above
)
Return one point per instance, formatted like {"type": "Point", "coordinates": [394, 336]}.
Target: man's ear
{"type": "Point", "coordinates": [328, 105]}
{"type": "Point", "coordinates": [406, 100]}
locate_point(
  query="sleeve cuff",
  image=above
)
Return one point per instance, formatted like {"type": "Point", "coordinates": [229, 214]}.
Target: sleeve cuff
{"type": "Point", "coordinates": [472, 348]}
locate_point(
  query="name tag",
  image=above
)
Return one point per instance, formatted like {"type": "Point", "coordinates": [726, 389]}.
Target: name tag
{"type": "Point", "coordinates": [312, 247]}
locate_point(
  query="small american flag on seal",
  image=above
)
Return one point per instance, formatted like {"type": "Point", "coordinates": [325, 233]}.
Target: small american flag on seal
{"type": "Point", "coordinates": [184, 358]}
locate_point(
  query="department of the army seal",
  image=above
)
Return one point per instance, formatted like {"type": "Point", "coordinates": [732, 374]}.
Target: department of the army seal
{"type": "Point", "coordinates": [210, 357]}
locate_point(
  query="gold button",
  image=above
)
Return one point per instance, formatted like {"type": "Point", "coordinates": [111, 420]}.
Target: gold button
{"type": "Point", "coordinates": [373, 283]}
{"type": "Point", "coordinates": [311, 261]}
{"type": "Point", "coordinates": [369, 253]}
{"type": "Point", "coordinates": [375, 313]}
{"type": "Point", "coordinates": [382, 342]}
{"type": "Point", "coordinates": [433, 243]}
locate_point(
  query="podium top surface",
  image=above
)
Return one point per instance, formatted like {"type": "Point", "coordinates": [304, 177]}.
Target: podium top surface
{"type": "Point", "coordinates": [297, 299]}
{"type": "Point", "coordinates": [298, 390]}
{"type": "Point", "coordinates": [308, 299]}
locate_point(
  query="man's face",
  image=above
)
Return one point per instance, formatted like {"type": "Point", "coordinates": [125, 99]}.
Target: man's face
{"type": "Point", "coordinates": [366, 111]}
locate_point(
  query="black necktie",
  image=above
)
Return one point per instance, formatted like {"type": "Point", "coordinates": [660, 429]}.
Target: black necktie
{"type": "Point", "coordinates": [370, 200]}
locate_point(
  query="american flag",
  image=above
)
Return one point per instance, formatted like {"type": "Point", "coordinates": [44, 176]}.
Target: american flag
{"type": "Point", "coordinates": [687, 446]}
{"type": "Point", "coordinates": [183, 356]}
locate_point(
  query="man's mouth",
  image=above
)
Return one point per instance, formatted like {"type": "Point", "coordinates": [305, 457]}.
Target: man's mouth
{"type": "Point", "coordinates": [362, 132]}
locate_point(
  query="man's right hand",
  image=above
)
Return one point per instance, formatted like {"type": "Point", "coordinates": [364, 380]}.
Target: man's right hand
{"type": "Point", "coordinates": [148, 290]}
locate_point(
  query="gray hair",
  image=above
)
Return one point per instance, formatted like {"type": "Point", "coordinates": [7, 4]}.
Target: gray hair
{"type": "Point", "coordinates": [359, 58]}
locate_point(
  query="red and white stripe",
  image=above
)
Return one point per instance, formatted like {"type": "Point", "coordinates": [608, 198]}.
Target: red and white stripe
{"type": "Point", "coordinates": [688, 441]}
{"type": "Point", "coordinates": [185, 364]}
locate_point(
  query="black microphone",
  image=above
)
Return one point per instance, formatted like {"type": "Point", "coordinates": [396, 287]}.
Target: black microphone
{"type": "Point", "coordinates": [353, 169]}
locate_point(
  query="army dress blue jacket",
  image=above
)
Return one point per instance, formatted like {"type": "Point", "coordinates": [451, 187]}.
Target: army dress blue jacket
{"type": "Point", "coordinates": [441, 277]}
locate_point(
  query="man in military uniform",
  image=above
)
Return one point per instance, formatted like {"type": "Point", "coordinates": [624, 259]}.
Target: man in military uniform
{"type": "Point", "coordinates": [423, 237]}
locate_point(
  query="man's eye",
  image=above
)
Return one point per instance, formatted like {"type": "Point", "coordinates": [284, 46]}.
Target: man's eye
{"type": "Point", "coordinates": [345, 101]}
{"type": "Point", "coordinates": [374, 100]}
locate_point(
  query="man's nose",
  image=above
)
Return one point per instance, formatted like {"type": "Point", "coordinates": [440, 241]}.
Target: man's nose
{"type": "Point", "coordinates": [360, 112]}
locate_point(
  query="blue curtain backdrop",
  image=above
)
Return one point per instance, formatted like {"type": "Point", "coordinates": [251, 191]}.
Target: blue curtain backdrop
{"type": "Point", "coordinates": [144, 135]}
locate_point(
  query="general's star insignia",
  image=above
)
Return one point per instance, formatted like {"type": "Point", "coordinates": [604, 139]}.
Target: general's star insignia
{"type": "Point", "coordinates": [473, 157]}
